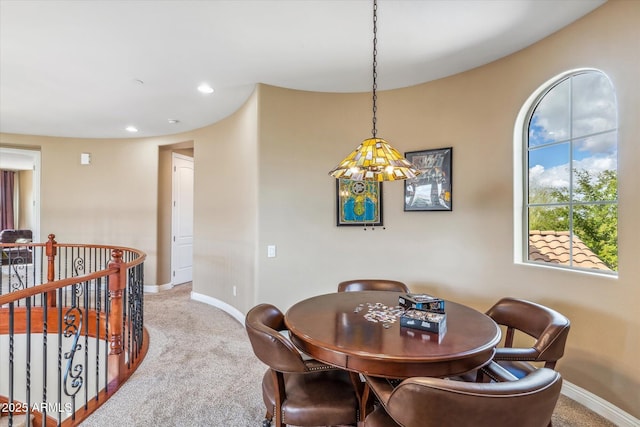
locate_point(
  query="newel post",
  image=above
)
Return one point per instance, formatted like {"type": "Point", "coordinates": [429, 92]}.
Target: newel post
{"type": "Point", "coordinates": [117, 283]}
{"type": "Point", "coordinates": [51, 250]}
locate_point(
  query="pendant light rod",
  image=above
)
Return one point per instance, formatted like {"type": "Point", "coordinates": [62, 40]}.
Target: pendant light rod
{"type": "Point", "coordinates": [375, 159]}
{"type": "Point", "coordinates": [374, 131]}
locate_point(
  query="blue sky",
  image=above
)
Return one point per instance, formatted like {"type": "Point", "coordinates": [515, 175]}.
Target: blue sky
{"type": "Point", "coordinates": [579, 114]}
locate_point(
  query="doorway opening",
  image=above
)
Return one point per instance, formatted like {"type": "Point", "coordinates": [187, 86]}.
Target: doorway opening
{"type": "Point", "coordinates": [26, 165]}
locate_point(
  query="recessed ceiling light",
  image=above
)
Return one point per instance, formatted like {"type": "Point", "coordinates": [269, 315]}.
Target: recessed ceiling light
{"type": "Point", "coordinates": [173, 121]}
{"type": "Point", "coordinates": [131, 129]}
{"type": "Point", "coordinates": [205, 88]}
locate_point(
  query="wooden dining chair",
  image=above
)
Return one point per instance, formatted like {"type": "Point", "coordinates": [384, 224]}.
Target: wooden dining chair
{"type": "Point", "coordinates": [547, 331]}
{"type": "Point", "coordinates": [372, 285]}
{"type": "Point", "coordinates": [297, 391]}
{"type": "Point", "coordinates": [423, 402]}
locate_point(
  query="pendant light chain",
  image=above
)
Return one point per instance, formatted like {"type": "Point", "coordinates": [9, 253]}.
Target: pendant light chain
{"type": "Point", "coordinates": [375, 64]}
{"type": "Point", "coordinates": [375, 159]}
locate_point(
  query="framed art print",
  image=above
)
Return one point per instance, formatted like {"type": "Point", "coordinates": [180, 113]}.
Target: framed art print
{"type": "Point", "coordinates": [358, 202]}
{"type": "Point", "coordinates": [432, 189]}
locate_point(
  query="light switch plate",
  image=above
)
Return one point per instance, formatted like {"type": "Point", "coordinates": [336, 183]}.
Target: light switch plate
{"type": "Point", "coordinates": [271, 251]}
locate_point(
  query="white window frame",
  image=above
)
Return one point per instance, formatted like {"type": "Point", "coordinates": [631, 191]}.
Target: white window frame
{"type": "Point", "coordinates": [520, 177]}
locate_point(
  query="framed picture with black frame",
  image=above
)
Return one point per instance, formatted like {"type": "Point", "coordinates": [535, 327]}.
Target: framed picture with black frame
{"type": "Point", "coordinates": [432, 189]}
{"type": "Point", "coordinates": [358, 202]}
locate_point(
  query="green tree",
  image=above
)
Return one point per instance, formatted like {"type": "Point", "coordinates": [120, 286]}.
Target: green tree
{"type": "Point", "coordinates": [597, 224]}
{"type": "Point", "coordinates": [595, 212]}
{"type": "Point", "coordinates": [547, 217]}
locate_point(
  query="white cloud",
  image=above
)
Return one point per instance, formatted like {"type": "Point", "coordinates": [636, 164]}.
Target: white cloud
{"type": "Point", "coordinates": [552, 113]}
{"type": "Point", "coordinates": [593, 108]}
{"type": "Point", "coordinates": [594, 104]}
{"type": "Point", "coordinates": [596, 164]}
{"type": "Point", "coordinates": [558, 176]}
{"type": "Point", "coordinates": [599, 144]}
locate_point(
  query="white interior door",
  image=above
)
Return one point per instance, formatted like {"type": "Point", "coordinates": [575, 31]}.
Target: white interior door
{"type": "Point", "coordinates": [182, 220]}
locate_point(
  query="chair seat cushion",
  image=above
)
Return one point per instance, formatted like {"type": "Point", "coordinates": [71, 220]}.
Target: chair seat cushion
{"type": "Point", "coordinates": [317, 398]}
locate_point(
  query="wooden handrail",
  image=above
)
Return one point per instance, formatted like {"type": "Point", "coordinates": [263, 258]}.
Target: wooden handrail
{"type": "Point", "coordinates": [52, 286]}
{"type": "Point", "coordinates": [51, 252]}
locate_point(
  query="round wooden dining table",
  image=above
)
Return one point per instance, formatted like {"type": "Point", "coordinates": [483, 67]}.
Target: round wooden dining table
{"type": "Point", "coordinates": [333, 328]}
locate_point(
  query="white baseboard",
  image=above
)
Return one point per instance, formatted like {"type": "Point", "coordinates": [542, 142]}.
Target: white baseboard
{"type": "Point", "coordinates": [599, 405]}
{"type": "Point", "coordinates": [154, 289]}
{"type": "Point", "coordinates": [229, 309]}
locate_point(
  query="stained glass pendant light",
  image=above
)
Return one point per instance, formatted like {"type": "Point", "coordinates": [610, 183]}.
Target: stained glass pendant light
{"type": "Point", "coordinates": [375, 159]}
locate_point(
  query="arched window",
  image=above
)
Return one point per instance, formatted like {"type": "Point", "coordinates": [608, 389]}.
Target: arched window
{"type": "Point", "coordinates": [570, 153]}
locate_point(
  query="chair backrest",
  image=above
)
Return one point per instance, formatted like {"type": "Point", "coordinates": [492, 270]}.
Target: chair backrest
{"type": "Point", "coordinates": [11, 236]}
{"type": "Point", "coordinates": [527, 402]}
{"type": "Point", "coordinates": [263, 323]}
{"type": "Point", "coordinates": [372, 285]}
{"type": "Point", "coordinates": [549, 328]}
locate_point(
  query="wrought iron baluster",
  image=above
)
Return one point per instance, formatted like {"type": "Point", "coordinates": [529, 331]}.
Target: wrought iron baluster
{"type": "Point", "coordinates": [129, 316]}
{"type": "Point", "coordinates": [98, 309]}
{"type": "Point", "coordinates": [11, 353]}
{"type": "Point", "coordinates": [28, 358]}
{"type": "Point", "coordinates": [107, 310]}
{"type": "Point", "coordinates": [17, 274]}
{"type": "Point", "coordinates": [45, 331]}
{"type": "Point", "coordinates": [60, 352]}
{"type": "Point", "coordinates": [86, 340]}
{"type": "Point", "coordinates": [73, 375]}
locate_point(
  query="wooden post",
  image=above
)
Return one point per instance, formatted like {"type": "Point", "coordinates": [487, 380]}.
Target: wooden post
{"type": "Point", "coordinates": [117, 283]}
{"type": "Point", "coordinates": [115, 297]}
{"type": "Point", "coordinates": [51, 252]}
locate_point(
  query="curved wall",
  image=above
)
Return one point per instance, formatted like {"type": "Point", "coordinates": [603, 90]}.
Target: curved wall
{"type": "Point", "coordinates": [467, 254]}
{"type": "Point", "coordinates": [261, 178]}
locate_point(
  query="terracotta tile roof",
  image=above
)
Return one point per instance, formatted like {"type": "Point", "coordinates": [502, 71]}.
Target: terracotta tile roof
{"type": "Point", "coordinates": [553, 247]}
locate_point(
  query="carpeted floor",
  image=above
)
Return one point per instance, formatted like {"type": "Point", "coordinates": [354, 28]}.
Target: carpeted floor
{"type": "Point", "coordinates": [201, 371]}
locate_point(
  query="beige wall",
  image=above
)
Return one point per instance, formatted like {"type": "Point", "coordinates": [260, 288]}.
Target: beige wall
{"type": "Point", "coordinates": [110, 201]}
{"type": "Point", "coordinates": [467, 254]}
{"type": "Point", "coordinates": [261, 178]}
{"type": "Point", "coordinates": [226, 209]}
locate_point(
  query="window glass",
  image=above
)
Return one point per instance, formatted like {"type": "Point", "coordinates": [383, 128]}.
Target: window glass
{"type": "Point", "coordinates": [551, 120]}
{"type": "Point", "coordinates": [549, 218]}
{"type": "Point", "coordinates": [596, 227]}
{"type": "Point", "coordinates": [595, 168]}
{"type": "Point", "coordinates": [593, 104]}
{"type": "Point", "coordinates": [549, 173]}
{"type": "Point", "coordinates": [572, 180]}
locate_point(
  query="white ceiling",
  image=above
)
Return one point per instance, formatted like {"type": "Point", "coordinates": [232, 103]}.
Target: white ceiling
{"type": "Point", "coordinates": [69, 68]}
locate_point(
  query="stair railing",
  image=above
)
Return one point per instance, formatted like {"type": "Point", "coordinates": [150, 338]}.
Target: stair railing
{"type": "Point", "coordinates": [71, 328]}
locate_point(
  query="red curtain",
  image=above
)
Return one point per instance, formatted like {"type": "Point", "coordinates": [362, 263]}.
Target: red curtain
{"type": "Point", "coordinates": [6, 199]}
